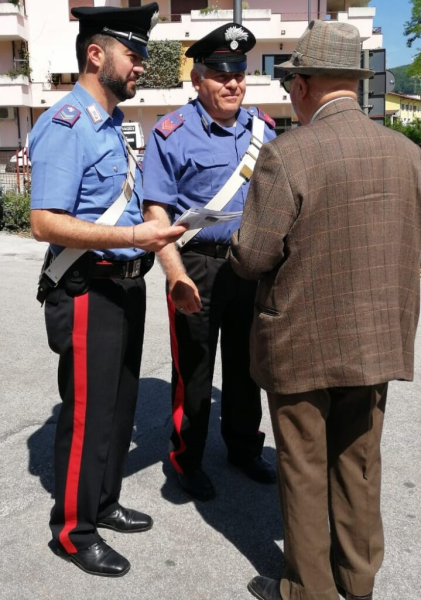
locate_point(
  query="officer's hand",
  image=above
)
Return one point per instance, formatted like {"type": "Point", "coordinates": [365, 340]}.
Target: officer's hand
{"type": "Point", "coordinates": [185, 295]}
{"type": "Point", "coordinates": [151, 235]}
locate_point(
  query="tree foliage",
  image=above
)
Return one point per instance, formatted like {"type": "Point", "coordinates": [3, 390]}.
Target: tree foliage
{"type": "Point", "coordinates": [413, 32]}
{"type": "Point", "coordinates": [163, 68]}
{"type": "Point", "coordinates": [413, 27]}
{"type": "Point", "coordinates": [411, 130]}
{"type": "Point", "coordinates": [404, 83]}
{"type": "Point", "coordinates": [15, 211]}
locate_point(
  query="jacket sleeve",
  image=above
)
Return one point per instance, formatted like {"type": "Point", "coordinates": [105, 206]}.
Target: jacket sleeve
{"type": "Point", "coordinates": [258, 246]}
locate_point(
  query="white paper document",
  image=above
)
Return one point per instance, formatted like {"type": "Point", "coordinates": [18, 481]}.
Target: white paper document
{"type": "Point", "coordinates": [198, 218]}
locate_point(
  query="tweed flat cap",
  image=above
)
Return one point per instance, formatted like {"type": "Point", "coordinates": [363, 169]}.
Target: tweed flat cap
{"type": "Point", "coordinates": [130, 26]}
{"type": "Point", "coordinates": [328, 49]}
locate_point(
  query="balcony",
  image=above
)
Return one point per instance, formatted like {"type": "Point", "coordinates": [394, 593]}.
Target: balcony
{"type": "Point", "coordinates": [14, 91]}
{"type": "Point", "coordinates": [265, 24]}
{"type": "Point", "coordinates": [261, 90]}
{"type": "Point", "coordinates": [13, 22]}
{"type": "Point", "coordinates": [343, 5]}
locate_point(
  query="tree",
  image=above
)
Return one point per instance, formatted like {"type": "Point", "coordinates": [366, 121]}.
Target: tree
{"type": "Point", "coordinates": [410, 130]}
{"type": "Point", "coordinates": [413, 32]}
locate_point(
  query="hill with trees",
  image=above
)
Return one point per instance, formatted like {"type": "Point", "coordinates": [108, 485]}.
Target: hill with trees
{"type": "Point", "coordinates": [404, 83]}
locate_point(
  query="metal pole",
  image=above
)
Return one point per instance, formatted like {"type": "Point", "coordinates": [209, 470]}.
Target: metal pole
{"type": "Point", "coordinates": [238, 9]}
{"type": "Point", "coordinates": [366, 84]}
{"type": "Point", "coordinates": [309, 11]}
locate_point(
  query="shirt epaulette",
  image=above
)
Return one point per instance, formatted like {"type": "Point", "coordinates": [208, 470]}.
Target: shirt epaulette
{"type": "Point", "coordinates": [266, 118]}
{"type": "Point", "coordinates": [169, 124]}
{"type": "Point", "coordinates": [67, 114]}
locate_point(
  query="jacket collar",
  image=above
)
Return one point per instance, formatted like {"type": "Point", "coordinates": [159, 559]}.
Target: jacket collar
{"type": "Point", "coordinates": [97, 115]}
{"type": "Point", "coordinates": [335, 106]}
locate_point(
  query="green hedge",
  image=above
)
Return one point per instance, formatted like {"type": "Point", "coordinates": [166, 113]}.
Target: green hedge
{"type": "Point", "coordinates": [15, 211]}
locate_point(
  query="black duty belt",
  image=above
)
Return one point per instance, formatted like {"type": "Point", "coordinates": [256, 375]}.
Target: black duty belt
{"type": "Point", "coordinates": [123, 270]}
{"type": "Point", "coordinates": [214, 250]}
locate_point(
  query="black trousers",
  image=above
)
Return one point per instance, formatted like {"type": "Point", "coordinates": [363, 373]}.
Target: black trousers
{"type": "Point", "coordinates": [98, 337]}
{"type": "Point", "coordinates": [228, 304]}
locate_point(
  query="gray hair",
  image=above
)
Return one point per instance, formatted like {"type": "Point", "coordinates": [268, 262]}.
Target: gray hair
{"type": "Point", "coordinates": [200, 69]}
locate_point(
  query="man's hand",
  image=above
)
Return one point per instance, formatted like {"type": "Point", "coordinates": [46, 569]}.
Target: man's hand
{"type": "Point", "coordinates": [185, 294]}
{"type": "Point", "coordinates": [151, 235]}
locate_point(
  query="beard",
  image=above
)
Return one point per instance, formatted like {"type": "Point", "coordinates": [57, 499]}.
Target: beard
{"type": "Point", "coordinates": [119, 86]}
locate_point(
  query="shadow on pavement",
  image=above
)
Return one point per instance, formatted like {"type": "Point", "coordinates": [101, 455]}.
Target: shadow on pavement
{"type": "Point", "coordinates": [244, 512]}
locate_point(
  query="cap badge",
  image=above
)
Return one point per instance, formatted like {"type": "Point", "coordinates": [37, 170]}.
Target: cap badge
{"type": "Point", "coordinates": [154, 21]}
{"type": "Point", "coordinates": [233, 34]}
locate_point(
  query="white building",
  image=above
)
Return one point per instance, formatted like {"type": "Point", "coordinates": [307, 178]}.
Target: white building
{"type": "Point", "coordinates": [45, 28]}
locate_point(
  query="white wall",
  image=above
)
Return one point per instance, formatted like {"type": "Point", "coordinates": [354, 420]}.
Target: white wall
{"type": "Point", "coordinates": [52, 36]}
{"type": "Point", "coordinates": [6, 56]}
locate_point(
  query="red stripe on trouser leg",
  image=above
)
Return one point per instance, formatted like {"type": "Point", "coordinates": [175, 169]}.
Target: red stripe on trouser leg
{"type": "Point", "coordinates": [80, 328]}
{"type": "Point", "coordinates": [178, 406]}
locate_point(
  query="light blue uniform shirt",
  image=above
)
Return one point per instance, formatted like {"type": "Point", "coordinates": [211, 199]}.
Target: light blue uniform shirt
{"type": "Point", "coordinates": [79, 164]}
{"type": "Point", "coordinates": [189, 166]}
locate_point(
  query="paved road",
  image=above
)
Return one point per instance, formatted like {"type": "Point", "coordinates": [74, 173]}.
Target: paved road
{"type": "Point", "coordinates": [196, 551]}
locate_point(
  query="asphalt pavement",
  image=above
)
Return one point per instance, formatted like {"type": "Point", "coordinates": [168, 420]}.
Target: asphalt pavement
{"type": "Point", "coordinates": [195, 551]}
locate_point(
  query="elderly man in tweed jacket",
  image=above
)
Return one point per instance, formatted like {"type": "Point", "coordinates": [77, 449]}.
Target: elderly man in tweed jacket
{"type": "Point", "coordinates": [331, 230]}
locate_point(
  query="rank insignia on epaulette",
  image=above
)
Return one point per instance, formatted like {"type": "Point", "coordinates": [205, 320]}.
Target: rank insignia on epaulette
{"type": "Point", "coordinates": [67, 114]}
{"type": "Point", "coordinates": [265, 117]}
{"type": "Point", "coordinates": [94, 113]}
{"type": "Point", "coordinates": [169, 124]}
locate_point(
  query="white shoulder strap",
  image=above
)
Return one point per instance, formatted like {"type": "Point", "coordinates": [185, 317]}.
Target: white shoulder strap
{"type": "Point", "coordinates": [68, 256]}
{"type": "Point", "coordinates": [241, 175]}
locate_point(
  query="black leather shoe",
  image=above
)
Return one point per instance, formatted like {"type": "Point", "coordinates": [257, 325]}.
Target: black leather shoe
{"type": "Point", "coordinates": [350, 596]}
{"type": "Point", "coordinates": [265, 588]}
{"type": "Point", "coordinates": [259, 469]}
{"type": "Point", "coordinates": [126, 520]}
{"type": "Point", "coordinates": [197, 484]}
{"type": "Point", "coordinates": [98, 559]}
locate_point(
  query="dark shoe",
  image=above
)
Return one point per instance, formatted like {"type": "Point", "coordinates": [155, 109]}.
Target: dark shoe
{"type": "Point", "coordinates": [350, 596]}
{"type": "Point", "coordinates": [265, 588]}
{"type": "Point", "coordinates": [259, 469]}
{"type": "Point", "coordinates": [126, 520]}
{"type": "Point", "coordinates": [98, 559]}
{"type": "Point", "coordinates": [197, 484]}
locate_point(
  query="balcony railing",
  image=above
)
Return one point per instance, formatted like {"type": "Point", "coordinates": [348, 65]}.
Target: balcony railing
{"type": "Point", "coordinates": [252, 13]}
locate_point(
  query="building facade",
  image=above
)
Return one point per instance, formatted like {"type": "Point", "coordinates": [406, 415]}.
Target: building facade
{"type": "Point", "coordinates": [38, 64]}
{"type": "Point", "coordinates": [404, 108]}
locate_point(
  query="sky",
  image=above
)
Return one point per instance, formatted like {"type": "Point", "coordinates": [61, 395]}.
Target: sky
{"type": "Point", "coordinates": [391, 16]}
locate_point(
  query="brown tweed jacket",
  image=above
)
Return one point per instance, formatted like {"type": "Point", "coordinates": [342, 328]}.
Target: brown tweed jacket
{"type": "Point", "coordinates": [331, 230]}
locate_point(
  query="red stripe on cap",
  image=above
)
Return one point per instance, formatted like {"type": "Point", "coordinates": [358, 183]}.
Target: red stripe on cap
{"type": "Point", "coordinates": [178, 408]}
{"type": "Point", "coordinates": [80, 329]}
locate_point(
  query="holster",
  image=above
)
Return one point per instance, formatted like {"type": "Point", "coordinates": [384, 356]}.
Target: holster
{"type": "Point", "coordinates": [148, 260]}
{"type": "Point", "coordinates": [75, 281]}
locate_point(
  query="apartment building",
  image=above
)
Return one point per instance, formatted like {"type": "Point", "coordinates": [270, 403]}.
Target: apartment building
{"type": "Point", "coordinates": [38, 64]}
{"type": "Point", "coordinates": [402, 107]}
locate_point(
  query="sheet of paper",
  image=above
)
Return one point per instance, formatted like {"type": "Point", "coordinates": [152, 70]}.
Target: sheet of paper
{"type": "Point", "coordinates": [197, 218]}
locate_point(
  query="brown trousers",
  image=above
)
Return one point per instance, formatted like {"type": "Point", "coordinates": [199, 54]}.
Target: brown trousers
{"type": "Point", "coordinates": [329, 473]}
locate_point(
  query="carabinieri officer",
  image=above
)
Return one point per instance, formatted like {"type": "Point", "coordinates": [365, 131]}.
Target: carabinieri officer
{"type": "Point", "coordinates": [92, 281]}
{"type": "Point", "coordinates": [192, 154]}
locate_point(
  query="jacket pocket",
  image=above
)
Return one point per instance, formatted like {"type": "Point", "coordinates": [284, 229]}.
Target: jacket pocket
{"type": "Point", "coordinates": [111, 172]}
{"type": "Point", "coordinates": [271, 312]}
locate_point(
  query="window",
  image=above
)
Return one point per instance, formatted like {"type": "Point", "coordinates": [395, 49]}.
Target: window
{"type": "Point", "coordinates": [282, 124]}
{"type": "Point", "coordinates": [269, 62]}
{"type": "Point", "coordinates": [76, 4]}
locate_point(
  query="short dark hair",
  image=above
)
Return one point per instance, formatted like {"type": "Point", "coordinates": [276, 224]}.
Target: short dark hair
{"type": "Point", "coordinates": [84, 40]}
